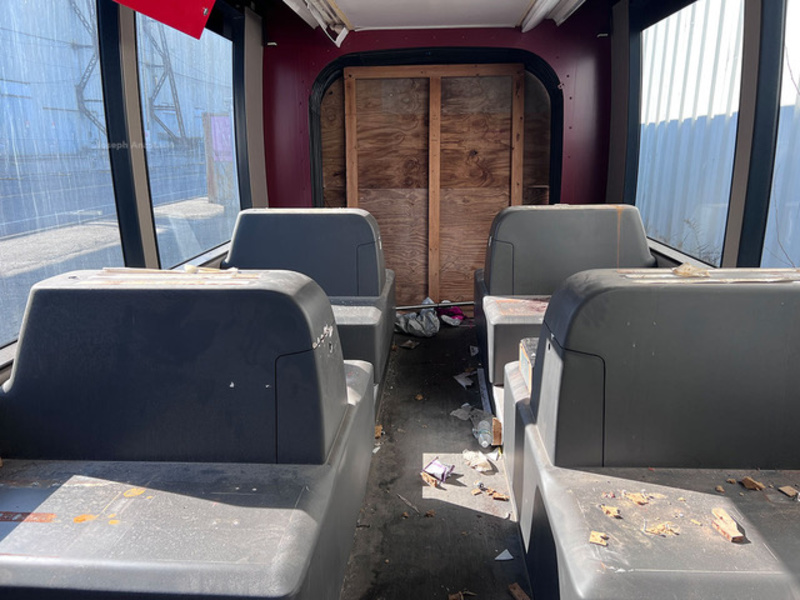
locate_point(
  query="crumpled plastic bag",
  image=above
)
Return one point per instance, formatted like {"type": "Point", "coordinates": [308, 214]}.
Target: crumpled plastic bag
{"type": "Point", "coordinates": [422, 324]}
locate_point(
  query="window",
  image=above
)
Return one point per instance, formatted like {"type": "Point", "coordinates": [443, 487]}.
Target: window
{"type": "Point", "coordinates": [782, 240]}
{"type": "Point", "coordinates": [187, 106]}
{"type": "Point", "coordinates": [691, 72]}
{"type": "Point", "coordinates": [57, 210]}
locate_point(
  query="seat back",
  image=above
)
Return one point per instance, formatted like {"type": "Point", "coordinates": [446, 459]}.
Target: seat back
{"type": "Point", "coordinates": [167, 366]}
{"type": "Point", "coordinates": [339, 248]}
{"type": "Point", "coordinates": [533, 249]}
{"type": "Point", "coordinates": [645, 368]}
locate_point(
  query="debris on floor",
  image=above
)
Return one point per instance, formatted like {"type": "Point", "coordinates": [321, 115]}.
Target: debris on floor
{"type": "Point", "coordinates": [378, 431]}
{"type": "Point", "coordinates": [436, 470]}
{"type": "Point", "coordinates": [662, 529]}
{"type": "Point", "coordinates": [517, 592]}
{"type": "Point", "coordinates": [409, 344]}
{"type": "Point", "coordinates": [419, 397]}
{"type": "Point", "coordinates": [492, 493]}
{"type": "Point", "coordinates": [473, 351]}
{"type": "Point", "coordinates": [431, 513]}
{"type": "Point", "coordinates": [477, 461]}
{"type": "Point", "coordinates": [422, 324]}
{"type": "Point", "coordinates": [637, 498]}
{"type": "Point", "coordinates": [408, 502]}
{"type": "Point", "coordinates": [504, 555]}
{"type": "Point", "coordinates": [720, 489]}
{"type": "Point", "coordinates": [598, 538]}
{"type": "Point", "coordinates": [375, 449]}
{"type": "Point", "coordinates": [429, 479]}
{"type": "Point", "coordinates": [731, 480]}
{"type": "Point", "coordinates": [726, 526]}
{"type": "Point", "coordinates": [751, 484]}
{"type": "Point", "coordinates": [788, 490]}
{"type": "Point", "coordinates": [464, 379]}
{"type": "Point", "coordinates": [463, 412]}
{"type": "Point", "coordinates": [611, 511]}
{"type": "Point", "coordinates": [460, 595]}
{"type": "Point", "coordinates": [451, 315]}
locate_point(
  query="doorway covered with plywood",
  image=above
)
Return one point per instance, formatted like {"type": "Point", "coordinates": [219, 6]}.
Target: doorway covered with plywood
{"type": "Point", "coordinates": [434, 153]}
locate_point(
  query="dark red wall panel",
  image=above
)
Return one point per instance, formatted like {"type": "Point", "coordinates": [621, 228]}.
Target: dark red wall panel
{"type": "Point", "coordinates": [579, 57]}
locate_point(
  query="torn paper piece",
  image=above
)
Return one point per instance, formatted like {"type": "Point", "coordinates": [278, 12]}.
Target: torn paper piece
{"type": "Point", "coordinates": [463, 379]}
{"type": "Point", "coordinates": [504, 555]}
{"type": "Point", "coordinates": [462, 413]}
{"type": "Point", "coordinates": [477, 461]}
{"type": "Point", "coordinates": [473, 351]}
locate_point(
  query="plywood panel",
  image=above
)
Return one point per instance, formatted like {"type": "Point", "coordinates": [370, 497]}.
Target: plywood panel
{"type": "Point", "coordinates": [333, 150]}
{"type": "Point", "coordinates": [392, 133]}
{"type": "Point", "coordinates": [402, 215]}
{"type": "Point", "coordinates": [476, 132]}
{"type": "Point", "coordinates": [466, 216]}
{"type": "Point", "coordinates": [536, 162]}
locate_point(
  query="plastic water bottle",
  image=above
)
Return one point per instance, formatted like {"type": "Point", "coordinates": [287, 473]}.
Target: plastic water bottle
{"type": "Point", "coordinates": [483, 433]}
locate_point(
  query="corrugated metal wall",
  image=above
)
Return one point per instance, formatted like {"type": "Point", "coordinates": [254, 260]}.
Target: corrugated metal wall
{"type": "Point", "coordinates": [691, 71]}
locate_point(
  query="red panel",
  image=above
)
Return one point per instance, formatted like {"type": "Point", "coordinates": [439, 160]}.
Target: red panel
{"type": "Point", "coordinates": [580, 58]}
{"type": "Point", "coordinates": [188, 16]}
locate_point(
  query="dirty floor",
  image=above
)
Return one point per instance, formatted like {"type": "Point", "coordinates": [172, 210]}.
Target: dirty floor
{"type": "Point", "coordinates": [441, 541]}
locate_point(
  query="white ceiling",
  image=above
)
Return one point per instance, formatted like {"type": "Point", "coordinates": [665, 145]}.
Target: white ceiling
{"type": "Point", "coordinates": [338, 17]}
{"type": "Point", "coordinates": [424, 14]}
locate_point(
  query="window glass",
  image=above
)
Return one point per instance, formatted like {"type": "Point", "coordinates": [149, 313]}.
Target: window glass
{"type": "Point", "coordinates": [691, 72]}
{"type": "Point", "coordinates": [782, 240]}
{"type": "Point", "coordinates": [187, 105]}
{"type": "Point", "coordinates": [57, 210]}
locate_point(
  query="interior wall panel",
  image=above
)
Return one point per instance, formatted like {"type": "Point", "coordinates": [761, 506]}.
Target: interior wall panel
{"type": "Point", "coordinates": [578, 51]}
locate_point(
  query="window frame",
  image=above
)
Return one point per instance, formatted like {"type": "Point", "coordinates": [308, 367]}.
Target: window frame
{"type": "Point", "coordinates": [758, 120]}
{"type": "Point", "coordinates": [120, 85]}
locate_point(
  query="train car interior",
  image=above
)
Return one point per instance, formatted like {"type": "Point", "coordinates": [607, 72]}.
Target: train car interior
{"type": "Point", "coordinates": [368, 300]}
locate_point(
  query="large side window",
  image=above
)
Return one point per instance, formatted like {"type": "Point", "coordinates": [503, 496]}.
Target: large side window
{"type": "Point", "coordinates": [782, 240]}
{"type": "Point", "coordinates": [187, 105]}
{"type": "Point", "coordinates": [690, 79]}
{"type": "Point", "coordinates": [57, 210]}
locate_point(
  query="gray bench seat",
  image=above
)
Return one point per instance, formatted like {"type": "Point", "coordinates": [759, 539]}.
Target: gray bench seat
{"type": "Point", "coordinates": [531, 251]}
{"type": "Point", "coordinates": [341, 250]}
{"type": "Point", "coordinates": [167, 434]}
{"type": "Point", "coordinates": [649, 382]}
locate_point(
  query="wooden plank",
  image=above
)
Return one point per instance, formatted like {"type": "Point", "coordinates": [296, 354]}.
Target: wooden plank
{"type": "Point", "coordinates": [434, 188]}
{"type": "Point", "coordinates": [517, 137]}
{"type": "Point", "coordinates": [476, 136]}
{"type": "Point", "coordinates": [466, 216]}
{"type": "Point", "coordinates": [726, 526]}
{"type": "Point", "coordinates": [351, 139]}
{"type": "Point", "coordinates": [402, 216]}
{"type": "Point", "coordinates": [392, 133]}
{"type": "Point", "coordinates": [426, 71]}
{"type": "Point", "coordinates": [334, 184]}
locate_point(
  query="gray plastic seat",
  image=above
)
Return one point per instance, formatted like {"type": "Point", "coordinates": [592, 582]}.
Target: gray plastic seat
{"type": "Point", "coordinates": [531, 251]}
{"type": "Point", "coordinates": [648, 382]}
{"type": "Point", "coordinates": [198, 435]}
{"type": "Point", "coordinates": [341, 250]}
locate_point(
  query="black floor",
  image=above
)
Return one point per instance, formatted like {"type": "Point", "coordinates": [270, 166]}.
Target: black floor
{"type": "Point", "coordinates": [399, 552]}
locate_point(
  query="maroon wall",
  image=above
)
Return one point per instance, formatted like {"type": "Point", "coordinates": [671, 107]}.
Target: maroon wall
{"type": "Point", "coordinates": [580, 59]}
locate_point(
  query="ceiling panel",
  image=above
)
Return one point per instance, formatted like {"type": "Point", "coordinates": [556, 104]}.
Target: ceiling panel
{"type": "Point", "coordinates": [418, 14]}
